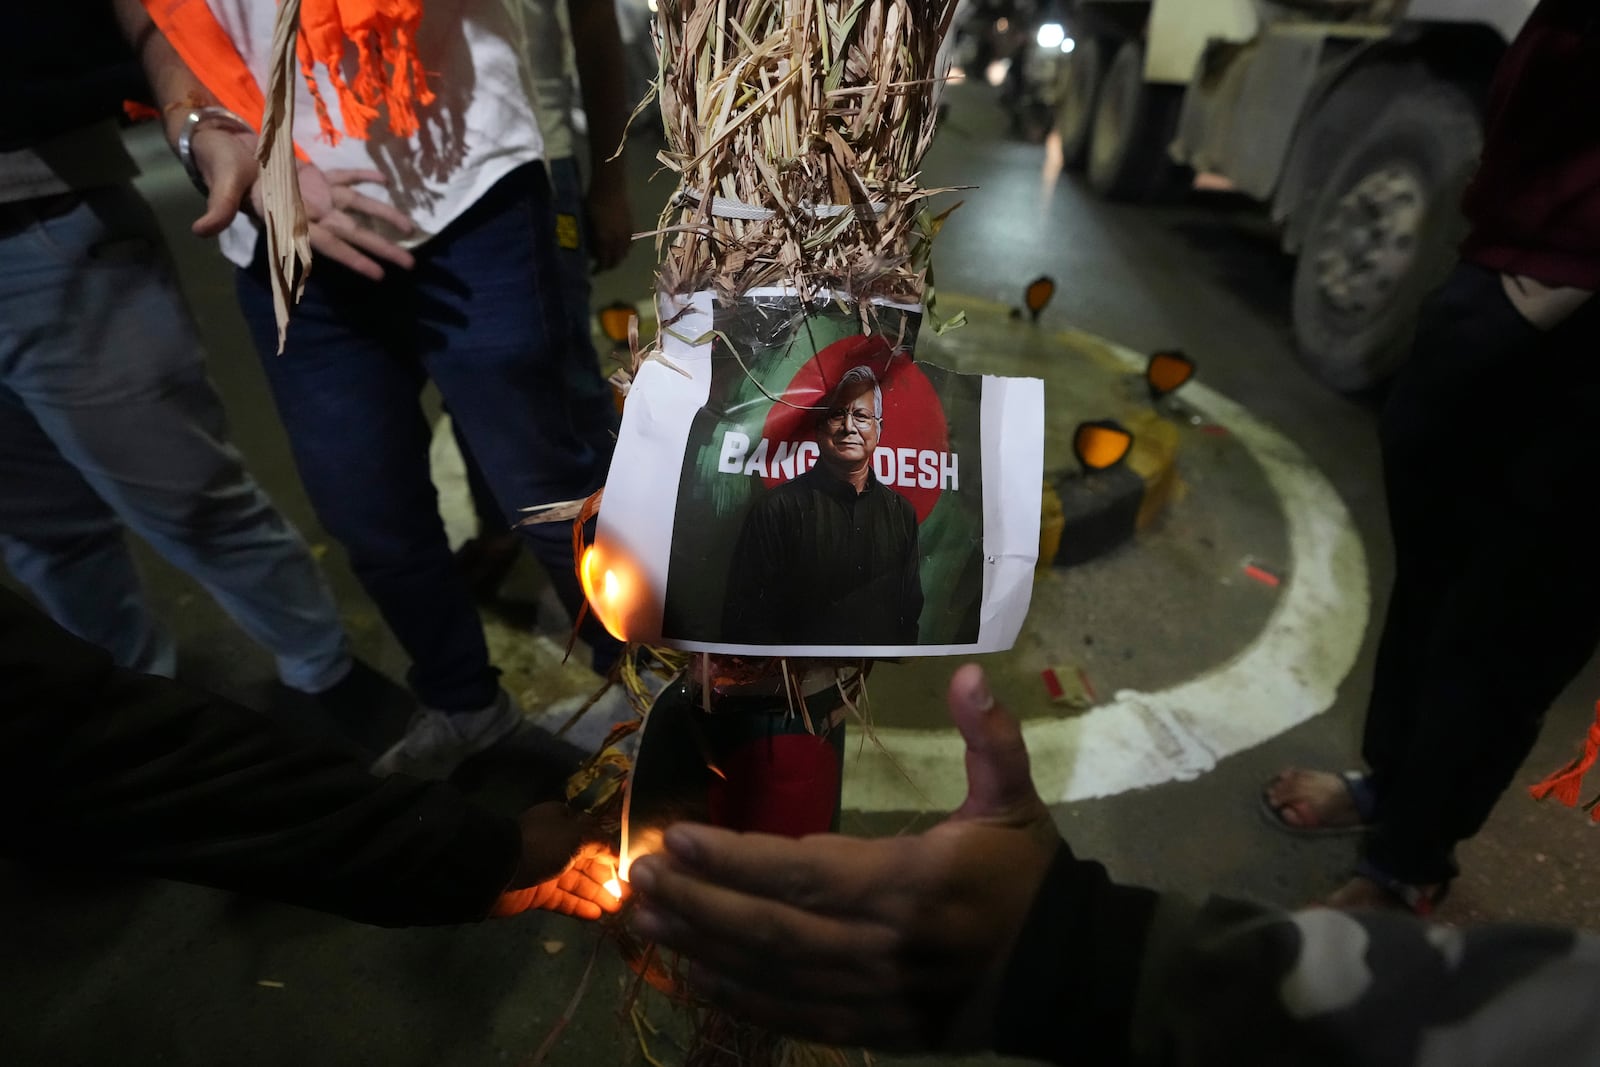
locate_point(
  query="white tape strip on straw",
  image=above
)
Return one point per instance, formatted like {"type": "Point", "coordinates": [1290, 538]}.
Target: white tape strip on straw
{"type": "Point", "coordinates": [725, 208]}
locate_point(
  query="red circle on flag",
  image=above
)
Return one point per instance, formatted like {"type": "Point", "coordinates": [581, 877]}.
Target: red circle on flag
{"type": "Point", "coordinates": [913, 444]}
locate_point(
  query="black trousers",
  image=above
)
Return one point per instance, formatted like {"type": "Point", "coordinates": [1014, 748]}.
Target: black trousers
{"type": "Point", "coordinates": [1490, 444]}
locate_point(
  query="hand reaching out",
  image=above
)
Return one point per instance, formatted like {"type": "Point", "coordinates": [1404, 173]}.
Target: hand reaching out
{"type": "Point", "coordinates": [564, 866]}
{"type": "Point", "coordinates": [226, 160]}
{"type": "Point", "coordinates": [339, 216]}
{"type": "Point", "coordinates": [338, 230]}
{"type": "Point", "coordinates": [896, 943]}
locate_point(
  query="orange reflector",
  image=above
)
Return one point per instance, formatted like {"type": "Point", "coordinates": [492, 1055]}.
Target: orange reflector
{"type": "Point", "coordinates": [616, 320]}
{"type": "Point", "coordinates": [1038, 294]}
{"type": "Point", "coordinates": [1166, 371]}
{"type": "Point", "coordinates": [1101, 444]}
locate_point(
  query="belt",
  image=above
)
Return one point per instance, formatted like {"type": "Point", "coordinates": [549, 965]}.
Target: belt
{"type": "Point", "coordinates": [18, 215]}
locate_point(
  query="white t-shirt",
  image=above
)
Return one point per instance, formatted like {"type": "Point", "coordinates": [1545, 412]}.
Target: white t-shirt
{"type": "Point", "coordinates": [480, 127]}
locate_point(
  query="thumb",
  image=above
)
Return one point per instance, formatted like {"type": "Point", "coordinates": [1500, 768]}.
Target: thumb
{"type": "Point", "coordinates": [222, 204]}
{"type": "Point", "coordinates": [999, 784]}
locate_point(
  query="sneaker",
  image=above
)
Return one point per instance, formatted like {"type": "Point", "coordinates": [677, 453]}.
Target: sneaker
{"type": "Point", "coordinates": [437, 742]}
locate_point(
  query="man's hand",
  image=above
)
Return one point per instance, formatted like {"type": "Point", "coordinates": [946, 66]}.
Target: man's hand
{"type": "Point", "coordinates": [897, 943]}
{"type": "Point", "coordinates": [338, 215]}
{"type": "Point", "coordinates": [610, 218]}
{"type": "Point", "coordinates": [564, 867]}
{"type": "Point", "coordinates": [226, 160]}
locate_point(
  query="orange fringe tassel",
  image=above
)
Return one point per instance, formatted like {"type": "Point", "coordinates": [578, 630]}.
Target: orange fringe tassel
{"type": "Point", "coordinates": [1566, 783]}
{"type": "Point", "coordinates": [382, 34]}
{"type": "Point", "coordinates": [138, 111]}
{"type": "Point", "coordinates": [388, 74]}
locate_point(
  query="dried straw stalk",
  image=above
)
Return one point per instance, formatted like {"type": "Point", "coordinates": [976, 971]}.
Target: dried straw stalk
{"type": "Point", "coordinates": [783, 105]}
{"type": "Point", "coordinates": [288, 231]}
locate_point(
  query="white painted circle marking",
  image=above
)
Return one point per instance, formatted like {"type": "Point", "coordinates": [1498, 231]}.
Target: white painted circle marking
{"type": "Point", "coordinates": [1290, 673]}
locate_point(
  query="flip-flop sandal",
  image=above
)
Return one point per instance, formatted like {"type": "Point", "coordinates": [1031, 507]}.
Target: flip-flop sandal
{"type": "Point", "coordinates": [1359, 786]}
{"type": "Point", "coordinates": [1420, 900]}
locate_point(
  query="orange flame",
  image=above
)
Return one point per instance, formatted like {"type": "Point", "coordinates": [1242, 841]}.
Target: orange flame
{"type": "Point", "coordinates": [611, 588]}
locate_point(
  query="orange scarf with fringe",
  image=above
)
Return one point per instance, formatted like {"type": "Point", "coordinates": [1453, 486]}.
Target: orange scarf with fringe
{"type": "Point", "coordinates": [382, 33]}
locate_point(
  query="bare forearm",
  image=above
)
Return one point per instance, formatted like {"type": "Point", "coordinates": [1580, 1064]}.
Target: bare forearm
{"type": "Point", "coordinates": [171, 80]}
{"type": "Point", "coordinates": [597, 53]}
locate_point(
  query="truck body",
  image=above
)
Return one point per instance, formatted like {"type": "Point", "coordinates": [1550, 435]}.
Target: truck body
{"type": "Point", "coordinates": [1357, 122]}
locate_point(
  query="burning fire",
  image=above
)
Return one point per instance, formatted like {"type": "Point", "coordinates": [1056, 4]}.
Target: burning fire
{"type": "Point", "coordinates": [642, 843]}
{"type": "Point", "coordinates": [610, 589]}
{"type": "Point", "coordinates": [619, 874]}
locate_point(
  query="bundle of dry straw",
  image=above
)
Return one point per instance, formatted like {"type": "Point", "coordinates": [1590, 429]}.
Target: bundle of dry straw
{"type": "Point", "coordinates": [797, 128]}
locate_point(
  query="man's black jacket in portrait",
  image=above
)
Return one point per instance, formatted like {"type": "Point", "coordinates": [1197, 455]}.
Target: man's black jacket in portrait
{"type": "Point", "coordinates": [819, 564]}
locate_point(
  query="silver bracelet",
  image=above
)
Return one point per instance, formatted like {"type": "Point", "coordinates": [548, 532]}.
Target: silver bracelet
{"type": "Point", "coordinates": [191, 126]}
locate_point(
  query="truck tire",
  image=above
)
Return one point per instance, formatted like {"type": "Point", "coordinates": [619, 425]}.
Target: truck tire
{"type": "Point", "coordinates": [1133, 124]}
{"type": "Point", "coordinates": [1382, 230]}
{"type": "Point", "coordinates": [1080, 90]}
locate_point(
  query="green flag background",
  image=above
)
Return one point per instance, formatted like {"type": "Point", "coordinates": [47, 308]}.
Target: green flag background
{"type": "Point", "coordinates": [760, 344]}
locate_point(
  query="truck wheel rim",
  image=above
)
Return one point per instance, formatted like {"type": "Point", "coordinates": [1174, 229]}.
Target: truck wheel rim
{"type": "Point", "coordinates": [1369, 241]}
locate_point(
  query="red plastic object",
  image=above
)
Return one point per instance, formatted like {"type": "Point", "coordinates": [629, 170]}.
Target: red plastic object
{"type": "Point", "coordinates": [1262, 575]}
{"type": "Point", "coordinates": [785, 784]}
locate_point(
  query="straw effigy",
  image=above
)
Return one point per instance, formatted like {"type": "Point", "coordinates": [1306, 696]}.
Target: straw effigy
{"type": "Point", "coordinates": [797, 128]}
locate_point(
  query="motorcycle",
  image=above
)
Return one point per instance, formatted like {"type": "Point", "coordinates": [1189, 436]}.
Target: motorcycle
{"type": "Point", "coordinates": [1019, 47]}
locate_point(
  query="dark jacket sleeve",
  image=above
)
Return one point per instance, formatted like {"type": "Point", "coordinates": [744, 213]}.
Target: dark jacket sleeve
{"type": "Point", "coordinates": [116, 771]}
{"type": "Point", "coordinates": [1239, 984]}
{"type": "Point", "coordinates": [1108, 974]}
{"type": "Point", "coordinates": [1071, 985]}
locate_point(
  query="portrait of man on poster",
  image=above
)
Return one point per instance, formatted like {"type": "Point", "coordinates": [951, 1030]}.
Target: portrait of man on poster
{"type": "Point", "coordinates": [830, 557]}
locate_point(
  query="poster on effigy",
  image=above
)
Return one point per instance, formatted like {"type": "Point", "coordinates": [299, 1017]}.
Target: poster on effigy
{"type": "Point", "coordinates": [786, 482]}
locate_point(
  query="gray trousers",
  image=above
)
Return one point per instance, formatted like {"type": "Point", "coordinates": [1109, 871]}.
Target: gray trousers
{"type": "Point", "coordinates": [107, 421]}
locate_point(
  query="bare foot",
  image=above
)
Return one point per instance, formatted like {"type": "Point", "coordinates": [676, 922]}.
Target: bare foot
{"type": "Point", "coordinates": [1312, 800]}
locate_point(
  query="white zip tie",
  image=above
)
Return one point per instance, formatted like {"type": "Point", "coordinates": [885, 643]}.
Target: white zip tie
{"type": "Point", "coordinates": [724, 208]}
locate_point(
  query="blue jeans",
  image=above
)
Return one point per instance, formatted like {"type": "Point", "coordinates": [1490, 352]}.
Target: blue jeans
{"type": "Point", "coordinates": [107, 418]}
{"type": "Point", "coordinates": [585, 382]}
{"type": "Point", "coordinates": [480, 316]}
